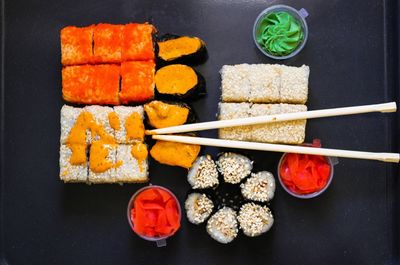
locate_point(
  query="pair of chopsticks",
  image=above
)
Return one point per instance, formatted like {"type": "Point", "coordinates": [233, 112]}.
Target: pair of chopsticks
{"type": "Point", "coordinates": [384, 108]}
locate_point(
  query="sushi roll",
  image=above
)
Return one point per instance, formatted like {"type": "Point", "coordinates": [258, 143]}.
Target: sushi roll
{"type": "Point", "coordinates": [223, 225]}
{"type": "Point", "coordinates": [107, 43]}
{"type": "Point", "coordinates": [198, 208]}
{"type": "Point", "coordinates": [179, 81]}
{"type": "Point", "coordinates": [259, 187]}
{"type": "Point", "coordinates": [73, 169]}
{"type": "Point", "coordinates": [162, 114]}
{"type": "Point", "coordinates": [76, 45]}
{"type": "Point", "coordinates": [234, 167]}
{"type": "Point", "coordinates": [175, 154]}
{"type": "Point", "coordinates": [102, 162]}
{"type": "Point", "coordinates": [254, 219]}
{"type": "Point", "coordinates": [133, 165]}
{"type": "Point", "coordinates": [203, 174]}
{"type": "Point", "coordinates": [138, 42]}
{"type": "Point", "coordinates": [181, 49]}
{"type": "Point", "coordinates": [130, 125]}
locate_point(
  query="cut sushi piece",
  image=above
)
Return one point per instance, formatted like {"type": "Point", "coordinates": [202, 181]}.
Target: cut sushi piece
{"type": "Point", "coordinates": [264, 83]}
{"type": "Point", "coordinates": [137, 42]}
{"type": "Point", "coordinates": [165, 114]}
{"type": "Point", "coordinates": [198, 208]}
{"type": "Point", "coordinates": [134, 165]}
{"type": "Point", "coordinates": [254, 219]}
{"type": "Point", "coordinates": [250, 82]}
{"type": "Point", "coordinates": [100, 127]}
{"type": "Point", "coordinates": [181, 49]}
{"type": "Point", "coordinates": [180, 81]}
{"type": "Point", "coordinates": [76, 45]}
{"type": "Point", "coordinates": [259, 187]}
{"type": "Point", "coordinates": [137, 82]}
{"type": "Point", "coordinates": [289, 132]}
{"type": "Point", "coordinates": [70, 171]}
{"type": "Point", "coordinates": [223, 225]}
{"type": "Point", "coordinates": [234, 167]}
{"type": "Point", "coordinates": [91, 84]}
{"type": "Point", "coordinates": [175, 154]}
{"type": "Point", "coordinates": [102, 162]}
{"type": "Point", "coordinates": [131, 127]}
{"type": "Point", "coordinates": [203, 174]}
{"type": "Point", "coordinates": [68, 118]}
{"type": "Point", "coordinates": [107, 43]}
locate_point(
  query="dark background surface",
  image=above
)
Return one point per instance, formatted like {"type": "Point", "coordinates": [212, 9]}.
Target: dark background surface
{"type": "Point", "coordinates": [354, 60]}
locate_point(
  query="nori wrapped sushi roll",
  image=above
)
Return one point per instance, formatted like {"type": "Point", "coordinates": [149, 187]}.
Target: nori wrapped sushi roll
{"type": "Point", "coordinates": [223, 225]}
{"type": "Point", "coordinates": [259, 187]}
{"type": "Point", "coordinates": [179, 81]}
{"type": "Point", "coordinates": [255, 219]}
{"type": "Point", "coordinates": [234, 167]}
{"type": "Point", "coordinates": [181, 49]}
{"type": "Point", "coordinates": [161, 114]}
{"type": "Point", "coordinates": [198, 207]}
{"type": "Point", "coordinates": [203, 174]}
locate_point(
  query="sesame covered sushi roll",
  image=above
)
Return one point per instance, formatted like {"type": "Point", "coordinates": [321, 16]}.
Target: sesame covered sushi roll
{"type": "Point", "coordinates": [234, 167]}
{"type": "Point", "coordinates": [259, 187]}
{"type": "Point", "coordinates": [223, 225]}
{"type": "Point", "coordinates": [181, 49]}
{"type": "Point", "coordinates": [203, 174]}
{"type": "Point", "coordinates": [254, 219]}
{"type": "Point", "coordinates": [198, 208]}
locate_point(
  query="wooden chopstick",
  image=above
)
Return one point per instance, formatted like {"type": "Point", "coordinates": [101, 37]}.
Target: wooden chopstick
{"type": "Point", "coordinates": [385, 107]}
{"type": "Point", "coordinates": [385, 157]}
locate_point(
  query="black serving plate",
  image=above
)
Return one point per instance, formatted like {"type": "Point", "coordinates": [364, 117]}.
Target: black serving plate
{"type": "Point", "coordinates": [353, 54]}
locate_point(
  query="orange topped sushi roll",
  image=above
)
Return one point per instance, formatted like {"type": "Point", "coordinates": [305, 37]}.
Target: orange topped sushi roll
{"type": "Point", "coordinates": [137, 42]}
{"type": "Point", "coordinates": [91, 84]}
{"type": "Point", "coordinates": [76, 45]}
{"type": "Point", "coordinates": [137, 81]}
{"type": "Point", "coordinates": [107, 43]}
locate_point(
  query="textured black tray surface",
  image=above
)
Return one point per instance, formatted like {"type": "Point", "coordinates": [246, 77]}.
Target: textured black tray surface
{"type": "Point", "coordinates": [354, 60]}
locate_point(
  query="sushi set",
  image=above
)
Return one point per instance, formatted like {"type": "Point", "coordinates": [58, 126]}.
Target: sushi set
{"type": "Point", "coordinates": [180, 139]}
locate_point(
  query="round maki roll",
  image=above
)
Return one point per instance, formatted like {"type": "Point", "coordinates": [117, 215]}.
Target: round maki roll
{"type": "Point", "coordinates": [179, 81]}
{"type": "Point", "coordinates": [161, 114]}
{"type": "Point", "coordinates": [254, 219]}
{"type": "Point", "coordinates": [198, 208]}
{"type": "Point", "coordinates": [259, 187]}
{"type": "Point", "coordinates": [223, 225]}
{"type": "Point", "coordinates": [234, 167]}
{"type": "Point", "coordinates": [181, 49]}
{"type": "Point", "coordinates": [203, 174]}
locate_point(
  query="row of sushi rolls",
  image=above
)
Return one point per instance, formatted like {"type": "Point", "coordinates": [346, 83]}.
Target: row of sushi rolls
{"type": "Point", "coordinates": [119, 80]}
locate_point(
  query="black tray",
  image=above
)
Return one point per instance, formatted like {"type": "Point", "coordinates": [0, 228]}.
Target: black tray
{"type": "Point", "coordinates": [353, 54]}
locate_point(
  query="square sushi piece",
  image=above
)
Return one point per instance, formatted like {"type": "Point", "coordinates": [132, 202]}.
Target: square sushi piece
{"type": "Point", "coordinates": [70, 172]}
{"type": "Point", "coordinates": [137, 83]}
{"type": "Point", "coordinates": [68, 119]}
{"type": "Point", "coordinates": [288, 132]}
{"type": "Point", "coordinates": [131, 127]}
{"type": "Point", "coordinates": [107, 43]}
{"type": "Point", "coordinates": [137, 43]}
{"type": "Point", "coordinates": [91, 84]}
{"type": "Point", "coordinates": [100, 115]}
{"type": "Point", "coordinates": [102, 162]}
{"type": "Point", "coordinates": [294, 84]}
{"type": "Point", "coordinates": [130, 170]}
{"type": "Point", "coordinates": [76, 45]}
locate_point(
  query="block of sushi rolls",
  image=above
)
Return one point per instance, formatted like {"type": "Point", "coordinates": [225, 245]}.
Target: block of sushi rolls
{"type": "Point", "coordinates": [181, 49]}
{"type": "Point", "coordinates": [91, 84]}
{"type": "Point", "coordinates": [137, 81]}
{"type": "Point", "coordinates": [102, 162]}
{"type": "Point", "coordinates": [161, 114]}
{"type": "Point", "coordinates": [71, 172]}
{"type": "Point", "coordinates": [137, 42]}
{"type": "Point", "coordinates": [76, 45]}
{"type": "Point", "coordinates": [264, 83]}
{"type": "Point", "coordinates": [133, 166]}
{"type": "Point", "coordinates": [131, 127]}
{"type": "Point", "coordinates": [198, 207]}
{"type": "Point", "coordinates": [179, 81]}
{"type": "Point", "coordinates": [290, 132]}
{"type": "Point", "coordinates": [107, 43]}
